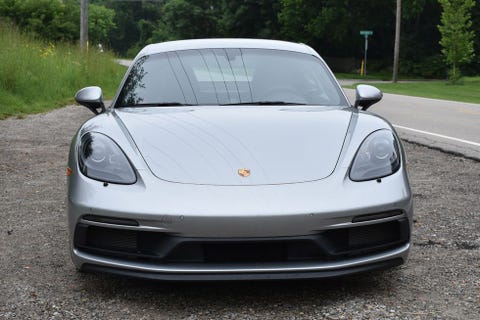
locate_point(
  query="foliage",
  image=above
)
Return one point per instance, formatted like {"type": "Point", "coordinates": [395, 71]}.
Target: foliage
{"type": "Point", "coordinates": [182, 19]}
{"type": "Point", "coordinates": [332, 27]}
{"type": "Point", "coordinates": [57, 20]}
{"type": "Point", "coordinates": [457, 36]}
{"type": "Point", "coordinates": [419, 40]}
{"type": "Point", "coordinates": [432, 67]}
{"type": "Point", "coordinates": [100, 23]}
{"type": "Point", "coordinates": [473, 68]}
{"type": "Point", "coordinates": [37, 76]}
{"type": "Point", "coordinates": [249, 19]}
{"type": "Point", "coordinates": [134, 22]}
{"type": "Point", "coordinates": [329, 26]}
{"type": "Point", "coordinates": [47, 19]}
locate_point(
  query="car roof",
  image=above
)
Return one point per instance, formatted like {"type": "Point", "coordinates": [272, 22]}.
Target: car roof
{"type": "Point", "coordinates": [226, 43]}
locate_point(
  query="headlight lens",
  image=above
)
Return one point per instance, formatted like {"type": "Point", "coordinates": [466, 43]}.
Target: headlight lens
{"type": "Point", "coordinates": [377, 157]}
{"type": "Point", "coordinates": [100, 158]}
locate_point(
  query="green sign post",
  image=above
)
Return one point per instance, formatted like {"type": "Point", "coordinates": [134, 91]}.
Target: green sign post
{"type": "Point", "coordinates": [366, 33]}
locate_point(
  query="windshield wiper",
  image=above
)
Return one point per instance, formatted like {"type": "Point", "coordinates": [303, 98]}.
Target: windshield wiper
{"type": "Point", "coordinates": [158, 104]}
{"type": "Point", "coordinates": [265, 103]}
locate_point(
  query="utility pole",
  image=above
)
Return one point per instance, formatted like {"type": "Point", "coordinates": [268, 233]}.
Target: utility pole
{"type": "Point", "coordinates": [396, 53]}
{"type": "Point", "coordinates": [84, 24]}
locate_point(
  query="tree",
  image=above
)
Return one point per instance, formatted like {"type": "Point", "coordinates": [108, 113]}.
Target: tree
{"type": "Point", "coordinates": [249, 18]}
{"type": "Point", "coordinates": [332, 27]}
{"type": "Point", "coordinates": [55, 20]}
{"type": "Point", "coordinates": [100, 22]}
{"type": "Point", "coordinates": [187, 19]}
{"type": "Point", "coordinates": [48, 19]}
{"type": "Point", "coordinates": [457, 38]}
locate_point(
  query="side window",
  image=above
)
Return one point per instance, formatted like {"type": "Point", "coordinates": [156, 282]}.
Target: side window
{"type": "Point", "coordinates": [153, 79]}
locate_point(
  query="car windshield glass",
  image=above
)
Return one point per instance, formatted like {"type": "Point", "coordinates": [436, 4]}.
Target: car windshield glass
{"type": "Point", "coordinates": [229, 77]}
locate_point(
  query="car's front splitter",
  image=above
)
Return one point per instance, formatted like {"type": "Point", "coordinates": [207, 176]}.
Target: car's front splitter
{"type": "Point", "coordinates": [241, 271]}
{"type": "Point", "coordinates": [264, 276]}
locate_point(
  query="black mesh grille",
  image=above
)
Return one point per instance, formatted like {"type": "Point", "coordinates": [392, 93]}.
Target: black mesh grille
{"type": "Point", "coordinates": [245, 251]}
{"type": "Point", "coordinates": [111, 239]}
{"type": "Point", "coordinates": [373, 235]}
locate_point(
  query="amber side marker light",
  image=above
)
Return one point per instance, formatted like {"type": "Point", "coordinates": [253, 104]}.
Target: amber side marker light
{"type": "Point", "coordinates": [69, 171]}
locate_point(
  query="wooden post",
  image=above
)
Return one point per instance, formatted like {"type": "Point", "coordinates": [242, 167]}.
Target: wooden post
{"type": "Point", "coordinates": [396, 53]}
{"type": "Point", "coordinates": [84, 24]}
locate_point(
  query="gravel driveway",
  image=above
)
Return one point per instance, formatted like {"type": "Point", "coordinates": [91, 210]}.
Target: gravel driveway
{"type": "Point", "coordinates": [38, 281]}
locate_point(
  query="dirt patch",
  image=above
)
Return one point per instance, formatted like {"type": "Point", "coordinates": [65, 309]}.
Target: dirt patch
{"type": "Point", "coordinates": [38, 281]}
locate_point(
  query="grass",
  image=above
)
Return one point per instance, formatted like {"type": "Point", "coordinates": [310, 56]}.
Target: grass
{"type": "Point", "coordinates": [37, 77]}
{"type": "Point", "coordinates": [468, 90]}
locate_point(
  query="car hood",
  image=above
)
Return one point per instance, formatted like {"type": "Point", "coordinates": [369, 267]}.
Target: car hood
{"type": "Point", "coordinates": [213, 145]}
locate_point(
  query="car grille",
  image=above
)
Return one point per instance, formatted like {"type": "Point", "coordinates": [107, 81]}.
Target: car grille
{"type": "Point", "coordinates": [161, 247]}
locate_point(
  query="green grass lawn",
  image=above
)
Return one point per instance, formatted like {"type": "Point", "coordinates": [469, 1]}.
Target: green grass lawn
{"type": "Point", "coordinates": [37, 77]}
{"type": "Point", "coordinates": [468, 90]}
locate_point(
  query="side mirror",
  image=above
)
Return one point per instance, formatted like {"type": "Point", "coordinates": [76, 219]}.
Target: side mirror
{"type": "Point", "coordinates": [366, 96]}
{"type": "Point", "coordinates": [92, 98]}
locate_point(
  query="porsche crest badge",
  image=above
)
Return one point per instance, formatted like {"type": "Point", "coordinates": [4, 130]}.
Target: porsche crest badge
{"type": "Point", "coordinates": [243, 172]}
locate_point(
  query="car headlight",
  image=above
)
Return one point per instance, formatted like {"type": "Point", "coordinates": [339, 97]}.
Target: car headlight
{"type": "Point", "coordinates": [100, 158]}
{"type": "Point", "coordinates": [377, 157]}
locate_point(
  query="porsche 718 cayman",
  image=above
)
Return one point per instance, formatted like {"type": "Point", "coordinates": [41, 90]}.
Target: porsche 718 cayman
{"type": "Point", "coordinates": [229, 159]}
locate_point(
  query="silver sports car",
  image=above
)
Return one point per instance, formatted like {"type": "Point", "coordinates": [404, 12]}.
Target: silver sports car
{"type": "Point", "coordinates": [229, 159]}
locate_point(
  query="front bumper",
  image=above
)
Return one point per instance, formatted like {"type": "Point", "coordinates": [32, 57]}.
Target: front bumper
{"type": "Point", "coordinates": [273, 211]}
{"type": "Point", "coordinates": [155, 255]}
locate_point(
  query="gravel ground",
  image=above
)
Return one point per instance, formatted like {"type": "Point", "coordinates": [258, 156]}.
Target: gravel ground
{"type": "Point", "coordinates": [38, 281]}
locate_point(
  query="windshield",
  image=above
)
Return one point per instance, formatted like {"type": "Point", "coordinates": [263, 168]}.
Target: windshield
{"type": "Point", "coordinates": [229, 77]}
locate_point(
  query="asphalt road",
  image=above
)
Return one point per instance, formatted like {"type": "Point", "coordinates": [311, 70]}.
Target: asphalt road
{"type": "Point", "coordinates": [447, 125]}
{"type": "Point", "coordinates": [124, 62]}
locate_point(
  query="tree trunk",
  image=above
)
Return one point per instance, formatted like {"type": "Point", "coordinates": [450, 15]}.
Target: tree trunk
{"type": "Point", "coordinates": [396, 54]}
